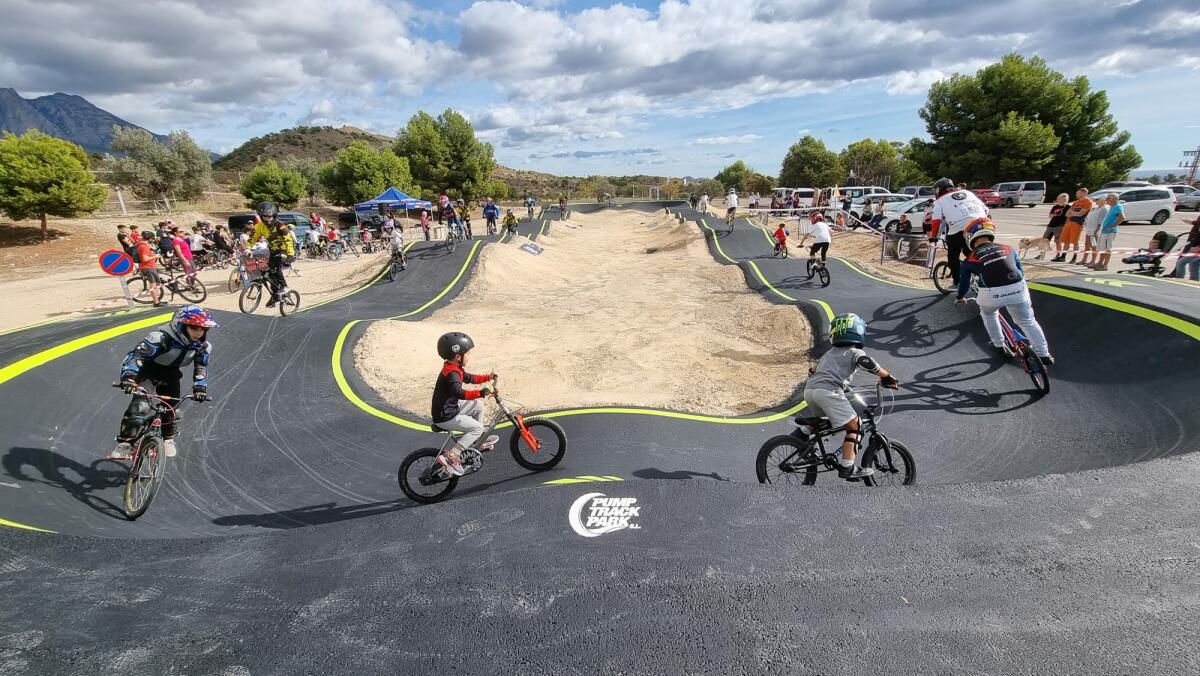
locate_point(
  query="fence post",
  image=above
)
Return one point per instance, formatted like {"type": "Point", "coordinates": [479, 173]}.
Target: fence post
{"type": "Point", "coordinates": [882, 246]}
{"type": "Point", "coordinates": [121, 199]}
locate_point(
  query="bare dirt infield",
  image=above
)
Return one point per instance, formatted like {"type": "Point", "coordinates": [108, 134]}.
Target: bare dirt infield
{"type": "Point", "coordinates": [596, 320]}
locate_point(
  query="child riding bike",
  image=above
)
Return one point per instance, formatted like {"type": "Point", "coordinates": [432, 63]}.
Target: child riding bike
{"type": "Point", "coordinates": [510, 222]}
{"type": "Point", "coordinates": [1001, 284]}
{"type": "Point", "coordinates": [781, 236]}
{"type": "Point", "coordinates": [819, 231]}
{"type": "Point", "coordinates": [454, 408]}
{"type": "Point", "coordinates": [825, 392]}
{"type": "Point", "coordinates": [155, 366]}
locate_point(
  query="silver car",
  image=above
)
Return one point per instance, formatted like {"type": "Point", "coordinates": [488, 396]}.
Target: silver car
{"type": "Point", "coordinates": [1021, 193]}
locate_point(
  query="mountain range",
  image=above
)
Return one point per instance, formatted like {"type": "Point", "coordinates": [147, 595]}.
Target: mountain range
{"type": "Point", "coordinates": [65, 116]}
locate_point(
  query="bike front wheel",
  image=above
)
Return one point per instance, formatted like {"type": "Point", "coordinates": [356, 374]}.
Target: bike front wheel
{"type": "Point", "coordinates": [1036, 370]}
{"type": "Point", "coordinates": [145, 476]}
{"type": "Point", "coordinates": [251, 296]}
{"type": "Point", "coordinates": [393, 267]}
{"type": "Point", "coordinates": [541, 446]}
{"type": "Point", "coordinates": [786, 459]}
{"type": "Point", "coordinates": [451, 243]}
{"type": "Point", "coordinates": [139, 291]}
{"type": "Point", "coordinates": [235, 280]}
{"type": "Point", "coordinates": [893, 464]}
{"type": "Point", "coordinates": [942, 279]}
{"type": "Point", "coordinates": [423, 479]}
{"type": "Point", "coordinates": [289, 303]}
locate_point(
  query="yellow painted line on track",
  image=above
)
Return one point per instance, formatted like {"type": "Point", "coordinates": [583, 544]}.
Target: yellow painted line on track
{"type": "Point", "coordinates": [542, 230]}
{"type": "Point", "coordinates": [754, 266]}
{"type": "Point", "coordinates": [1190, 329]}
{"type": "Point", "coordinates": [587, 478]}
{"type": "Point", "coordinates": [716, 241]}
{"type": "Point", "coordinates": [46, 356]}
{"type": "Point", "coordinates": [376, 278]}
{"type": "Point", "coordinates": [340, 377]}
{"type": "Point", "coordinates": [14, 524]}
{"type": "Point", "coordinates": [117, 313]}
{"type": "Point", "coordinates": [461, 272]}
{"type": "Point", "coordinates": [864, 273]}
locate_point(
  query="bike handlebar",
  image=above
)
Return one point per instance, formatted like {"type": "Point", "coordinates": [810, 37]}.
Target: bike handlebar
{"type": "Point", "coordinates": [164, 399]}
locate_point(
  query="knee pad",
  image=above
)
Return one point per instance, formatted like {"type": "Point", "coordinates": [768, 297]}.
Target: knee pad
{"type": "Point", "coordinates": [137, 416]}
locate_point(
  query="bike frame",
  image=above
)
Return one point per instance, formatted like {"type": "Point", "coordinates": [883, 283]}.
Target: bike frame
{"type": "Point", "coordinates": [868, 428]}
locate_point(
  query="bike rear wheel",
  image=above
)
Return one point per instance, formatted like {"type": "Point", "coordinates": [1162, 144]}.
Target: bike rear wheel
{"type": "Point", "coordinates": [1036, 370]}
{"type": "Point", "coordinates": [145, 476]}
{"type": "Point", "coordinates": [235, 280]}
{"type": "Point", "coordinates": [787, 460]}
{"type": "Point", "coordinates": [334, 252]}
{"type": "Point", "coordinates": [893, 464]}
{"type": "Point", "coordinates": [251, 296]}
{"type": "Point", "coordinates": [289, 303]}
{"type": "Point", "coordinates": [191, 289]}
{"type": "Point", "coordinates": [823, 273]}
{"type": "Point", "coordinates": [551, 441]}
{"type": "Point", "coordinates": [139, 291]}
{"type": "Point", "coordinates": [423, 463]}
{"type": "Point", "coordinates": [942, 278]}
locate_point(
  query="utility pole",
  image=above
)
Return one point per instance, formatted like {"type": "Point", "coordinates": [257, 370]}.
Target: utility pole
{"type": "Point", "coordinates": [1191, 164]}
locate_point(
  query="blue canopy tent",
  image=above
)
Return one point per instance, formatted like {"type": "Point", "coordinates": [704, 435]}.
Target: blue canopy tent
{"type": "Point", "coordinates": [390, 198]}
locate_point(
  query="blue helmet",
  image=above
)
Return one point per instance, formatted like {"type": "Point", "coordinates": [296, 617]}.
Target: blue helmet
{"type": "Point", "coordinates": [848, 329]}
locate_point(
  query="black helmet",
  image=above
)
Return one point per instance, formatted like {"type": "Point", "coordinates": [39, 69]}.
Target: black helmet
{"type": "Point", "coordinates": [266, 210]}
{"type": "Point", "coordinates": [454, 343]}
{"type": "Point", "coordinates": [943, 186]}
{"type": "Point", "coordinates": [147, 234]}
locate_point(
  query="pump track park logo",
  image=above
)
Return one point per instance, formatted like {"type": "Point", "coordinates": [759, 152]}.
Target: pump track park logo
{"type": "Point", "coordinates": [593, 514]}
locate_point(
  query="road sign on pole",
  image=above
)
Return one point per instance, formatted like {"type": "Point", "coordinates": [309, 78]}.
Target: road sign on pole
{"type": "Point", "coordinates": [116, 263]}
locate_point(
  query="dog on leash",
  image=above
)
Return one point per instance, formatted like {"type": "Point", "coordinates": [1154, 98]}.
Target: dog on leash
{"type": "Point", "coordinates": [1030, 243]}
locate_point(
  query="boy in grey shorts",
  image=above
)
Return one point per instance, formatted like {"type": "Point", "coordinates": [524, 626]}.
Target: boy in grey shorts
{"type": "Point", "coordinates": [825, 393]}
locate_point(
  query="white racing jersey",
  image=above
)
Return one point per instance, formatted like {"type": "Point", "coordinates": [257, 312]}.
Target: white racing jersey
{"type": "Point", "coordinates": [731, 201]}
{"type": "Point", "coordinates": [956, 210]}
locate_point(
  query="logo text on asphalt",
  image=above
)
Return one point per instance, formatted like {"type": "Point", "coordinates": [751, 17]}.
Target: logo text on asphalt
{"type": "Point", "coordinates": [593, 514]}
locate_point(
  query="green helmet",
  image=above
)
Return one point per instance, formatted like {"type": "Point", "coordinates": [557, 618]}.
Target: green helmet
{"type": "Point", "coordinates": [848, 329]}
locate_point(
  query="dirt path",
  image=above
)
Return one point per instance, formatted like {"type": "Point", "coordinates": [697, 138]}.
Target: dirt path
{"type": "Point", "coordinates": [596, 320]}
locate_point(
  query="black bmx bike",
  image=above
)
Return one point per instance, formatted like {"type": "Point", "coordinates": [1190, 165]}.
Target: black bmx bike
{"type": "Point", "coordinates": [799, 458]}
{"type": "Point", "coordinates": [146, 455]}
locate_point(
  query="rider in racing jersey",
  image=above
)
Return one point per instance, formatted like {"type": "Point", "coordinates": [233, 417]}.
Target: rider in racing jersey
{"type": "Point", "coordinates": [155, 366]}
{"type": "Point", "coordinates": [280, 242]}
{"type": "Point", "coordinates": [1001, 284]}
{"type": "Point", "coordinates": [953, 210]}
{"type": "Point", "coordinates": [731, 203]}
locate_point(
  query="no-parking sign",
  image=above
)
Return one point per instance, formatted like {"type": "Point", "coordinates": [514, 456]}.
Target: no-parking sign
{"type": "Point", "coordinates": [116, 263]}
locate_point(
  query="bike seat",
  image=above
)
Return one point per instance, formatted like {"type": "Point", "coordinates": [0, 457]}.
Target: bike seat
{"type": "Point", "coordinates": [439, 430]}
{"type": "Point", "coordinates": [815, 423]}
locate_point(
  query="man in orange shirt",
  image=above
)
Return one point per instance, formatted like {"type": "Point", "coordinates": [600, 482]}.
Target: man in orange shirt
{"type": "Point", "coordinates": [147, 262]}
{"type": "Point", "coordinates": [1074, 226]}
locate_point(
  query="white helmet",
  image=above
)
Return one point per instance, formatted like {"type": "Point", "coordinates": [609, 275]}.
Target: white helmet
{"type": "Point", "coordinates": [733, 191]}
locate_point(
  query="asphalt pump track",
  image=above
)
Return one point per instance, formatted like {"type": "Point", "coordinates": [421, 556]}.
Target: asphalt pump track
{"type": "Point", "coordinates": [1052, 533]}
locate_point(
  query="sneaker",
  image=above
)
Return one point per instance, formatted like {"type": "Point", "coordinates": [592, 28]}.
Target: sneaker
{"type": "Point", "coordinates": [1074, 258]}
{"type": "Point", "coordinates": [1003, 351]}
{"type": "Point", "coordinates": [1056, 259]}
{"type": "Point", "coordinates": [271, 303]}
{"type": "Point", "coordinates": [854, 472]}
{"type": "Point", "coordinates": [1048, 360]}
{"type": "Point", "coordinates": [122, 451]}
{"type": "Point", "coordinates": [452, 465]}
{"type": "Point", "coordinates": [489, 443]}
{"type": "Point", "coordinates": [169, 448]}
{"type": "Point", "coordinates": [1100, 268]}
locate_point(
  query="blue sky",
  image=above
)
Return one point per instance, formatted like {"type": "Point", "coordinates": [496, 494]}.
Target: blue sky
{"type": "Point", "coordinates": [671, 88]}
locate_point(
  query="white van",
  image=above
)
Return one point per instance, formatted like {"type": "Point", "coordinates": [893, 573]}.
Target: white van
{"type": "Point", "coordinates": [1154, 204]}
{"type": "Point", "coordinates": [1016, 193]}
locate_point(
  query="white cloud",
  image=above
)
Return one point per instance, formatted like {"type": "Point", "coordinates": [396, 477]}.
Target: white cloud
{"type": "Point", "coordinates": [725, 140]}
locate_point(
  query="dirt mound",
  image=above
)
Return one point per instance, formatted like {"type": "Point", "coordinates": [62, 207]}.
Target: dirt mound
{"type": "Point", "coordinates": [595, 320]}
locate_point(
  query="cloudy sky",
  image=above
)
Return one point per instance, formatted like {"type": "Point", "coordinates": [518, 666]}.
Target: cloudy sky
{"type": "Point", "coordinates": [576, 87]}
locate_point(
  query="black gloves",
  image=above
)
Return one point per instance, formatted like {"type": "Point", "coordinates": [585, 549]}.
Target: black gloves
{"type": "Point", "coordinates": [128, 386]}
{"type": "Point", "coordinates": [485, 391]}
{"type": "Point", "coordinates": [889, 381]}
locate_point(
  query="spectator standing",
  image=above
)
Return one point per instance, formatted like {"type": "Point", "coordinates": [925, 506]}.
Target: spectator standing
{"type": "Point", "coordinates": [182, 251]}
{"type": "Point", "coordinates": [147, 261]}
{"type": "Point", "coordinates": [1108, 231]}
{"type": "Point", "coordinates": [1073, 228]}
{"type": "Point", "coordinates": [1091, 232]}
{"type": "Point", "coordinates": [126, 241]}
{"type": "Point", "coordinates": [425, 223]}
{"type": "Point", "coordinates": [1190, 264]}
{"type": "Point", "coordinates": [318, 222]}
{"type": "Point", "coordinates": [1058, 218]}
